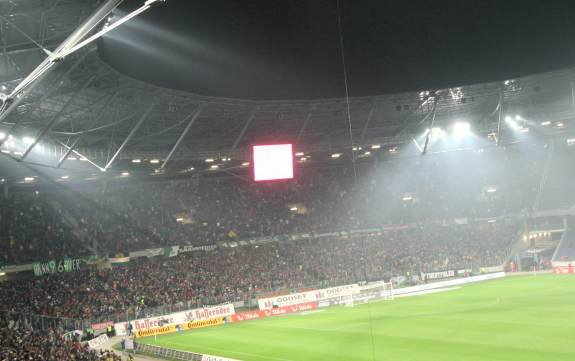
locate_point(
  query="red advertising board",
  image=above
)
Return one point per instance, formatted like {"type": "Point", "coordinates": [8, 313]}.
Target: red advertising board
{"type": "Point", "coordinates": [278, 311]}
{"type": "Point", "coordinates": [564, 270]}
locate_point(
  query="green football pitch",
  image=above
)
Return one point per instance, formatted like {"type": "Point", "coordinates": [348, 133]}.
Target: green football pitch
{"type": "Point", "coordinates": [516, 318]}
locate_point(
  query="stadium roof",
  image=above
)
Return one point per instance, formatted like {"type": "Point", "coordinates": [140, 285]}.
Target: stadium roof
{"type": "Point", "coordinates": [102, 113]}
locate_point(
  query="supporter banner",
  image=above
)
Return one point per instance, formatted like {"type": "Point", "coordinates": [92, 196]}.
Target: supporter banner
{"type": "Point", "coordinates": [151, 252]}
{"type": "Point", "coordinates": [308, 296]}
{"type": "Point", "coordinates": [171, 251]}
{"type": "Point", "coordinates": [117, 261]}
{"type": "Point", "coordinates": [564, 270]}
{"type": "Point", "coordinates": [101, 326]}
{"type": "Point", "coordinates": [98, 341]}
{"type": "Point", "coordinates": [186, 249]}
{"type": "Point", "coordinates": [437, 275]}
{"type": "Point", "coordinates": [278, 311]}
{"type": "Point", "coordinates": [65, 265]}
{"type": "Point", "coordinates": [178, 318]}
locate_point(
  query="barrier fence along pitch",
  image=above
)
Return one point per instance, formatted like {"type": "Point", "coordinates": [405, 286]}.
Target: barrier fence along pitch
{"type": "Point", "coordinates": [167, 352]}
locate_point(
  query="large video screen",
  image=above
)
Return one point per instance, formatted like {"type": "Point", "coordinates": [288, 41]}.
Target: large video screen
{"type": "Point", "coordinates": [272, 162]}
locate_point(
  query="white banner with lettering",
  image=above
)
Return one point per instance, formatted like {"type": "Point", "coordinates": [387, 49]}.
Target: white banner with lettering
{"type": "Point", "coordinates": [197, 314]}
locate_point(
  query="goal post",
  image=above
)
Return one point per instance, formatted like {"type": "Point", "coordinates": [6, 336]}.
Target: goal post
{"type": "Point", "coordinates": [379, 291]}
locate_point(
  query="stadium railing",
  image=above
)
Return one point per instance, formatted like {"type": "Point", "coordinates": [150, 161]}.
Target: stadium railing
{"type": "Point", "coordinates": [166, 353]}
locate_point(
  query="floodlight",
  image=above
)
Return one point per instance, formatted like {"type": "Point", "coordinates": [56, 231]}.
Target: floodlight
{"type": "Point", "coordinates": [461, 129]}
{"type": "Point", "coordinates": [136, 161]}
{"type": "Point", "coordinates": [154, 161]}
{"type": "Point", "coordinates": [336, 155]}
{"type": "Point", "coordinates": [27, 140]}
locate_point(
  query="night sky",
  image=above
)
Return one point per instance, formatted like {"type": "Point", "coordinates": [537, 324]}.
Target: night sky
{"type": "Point", "coordinates": [289, 49]}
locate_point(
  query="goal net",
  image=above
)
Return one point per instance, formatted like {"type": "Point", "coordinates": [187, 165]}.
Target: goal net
{"type": "Point", "coordinates": [381, 291]}
{"type": "Point", "coordinates": [386, 291]}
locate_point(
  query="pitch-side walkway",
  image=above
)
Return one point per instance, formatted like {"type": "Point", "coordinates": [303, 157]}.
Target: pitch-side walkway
{"type": "Point", "coordinates": [117, 339]}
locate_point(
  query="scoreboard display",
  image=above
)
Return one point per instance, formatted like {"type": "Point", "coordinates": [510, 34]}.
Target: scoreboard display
{"type": "Point", "coordinates": [272, 162]}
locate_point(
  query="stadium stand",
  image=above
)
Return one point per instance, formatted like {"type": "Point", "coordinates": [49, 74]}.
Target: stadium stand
{"type": "Point", "coordinates": [239, 274]}
{"type": "Point", "coordinates": [20, 342]}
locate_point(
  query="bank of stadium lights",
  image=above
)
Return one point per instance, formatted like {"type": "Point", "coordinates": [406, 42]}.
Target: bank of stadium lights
{"type": "Point", "coordinates": [210, 160]}
{"type": "Point", "coordinates": [513, 123]}
{"type": "Point", "coordinates": [125, 174]}
{"type": "Point", "coordinates": [28, 179]}
{"type": "Point", "coordinates": [245, 164]}
{"type": "Point", "coordinates": [226, 159]}
{"type": "Point", "coordinates": [461, 129]}
{"type": "Point", "coordinates": [545, 123]}
{"type": "Point", "coordinates": [293, 209]}
{"type": "Point", "coordinates": [65, 177]}
{"type": "Point", "coordinates": [5, 151]}
{"type": "Point", "coordinates": [570, 142]}
{"type": "Point", "coordinates": [136, 161]}
{"type": "Point", "coordinates": [491, 189]}
{"type": "Point", "coordinates": [299, 154]}
{"type": "Point", "coordinates": [214, 167]}
{"type": "Point", "coordinates": [28, 140]}
{"type": "Point", "coordinates": [407, 198]}
{"type": "Point", "coordinates": [72, 158]}
{"type": "Point", "coordinates": [435, 133]}
{"type": "Point", "coordinates": [154, 161]}
{"type": "Point", "coordinates": [375, 146]}
{"type": "Point", "coordinates": [560, 124]}
{"type": "Point", "coordinates": [336, 155]}
{"type": "Point", "coordinates": [18, 153]}
{"type": "Point", "coordinates": [302, 160]}
{"type": "Point", "coordinates": [394, 150]}
{"type": "Point", "coordinates": [2, 135]}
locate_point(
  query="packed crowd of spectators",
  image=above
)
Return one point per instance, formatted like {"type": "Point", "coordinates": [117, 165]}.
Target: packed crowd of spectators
{"type": "Point", "coordinates": [20, 342]}
{"type": "Point", "coordinates": [240, 273]}
{"type": "Point", "coordinates": [127, 215]}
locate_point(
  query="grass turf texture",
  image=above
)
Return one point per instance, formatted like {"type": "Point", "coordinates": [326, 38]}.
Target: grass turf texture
{"type": "Point", "coordinates": [517, 318]}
